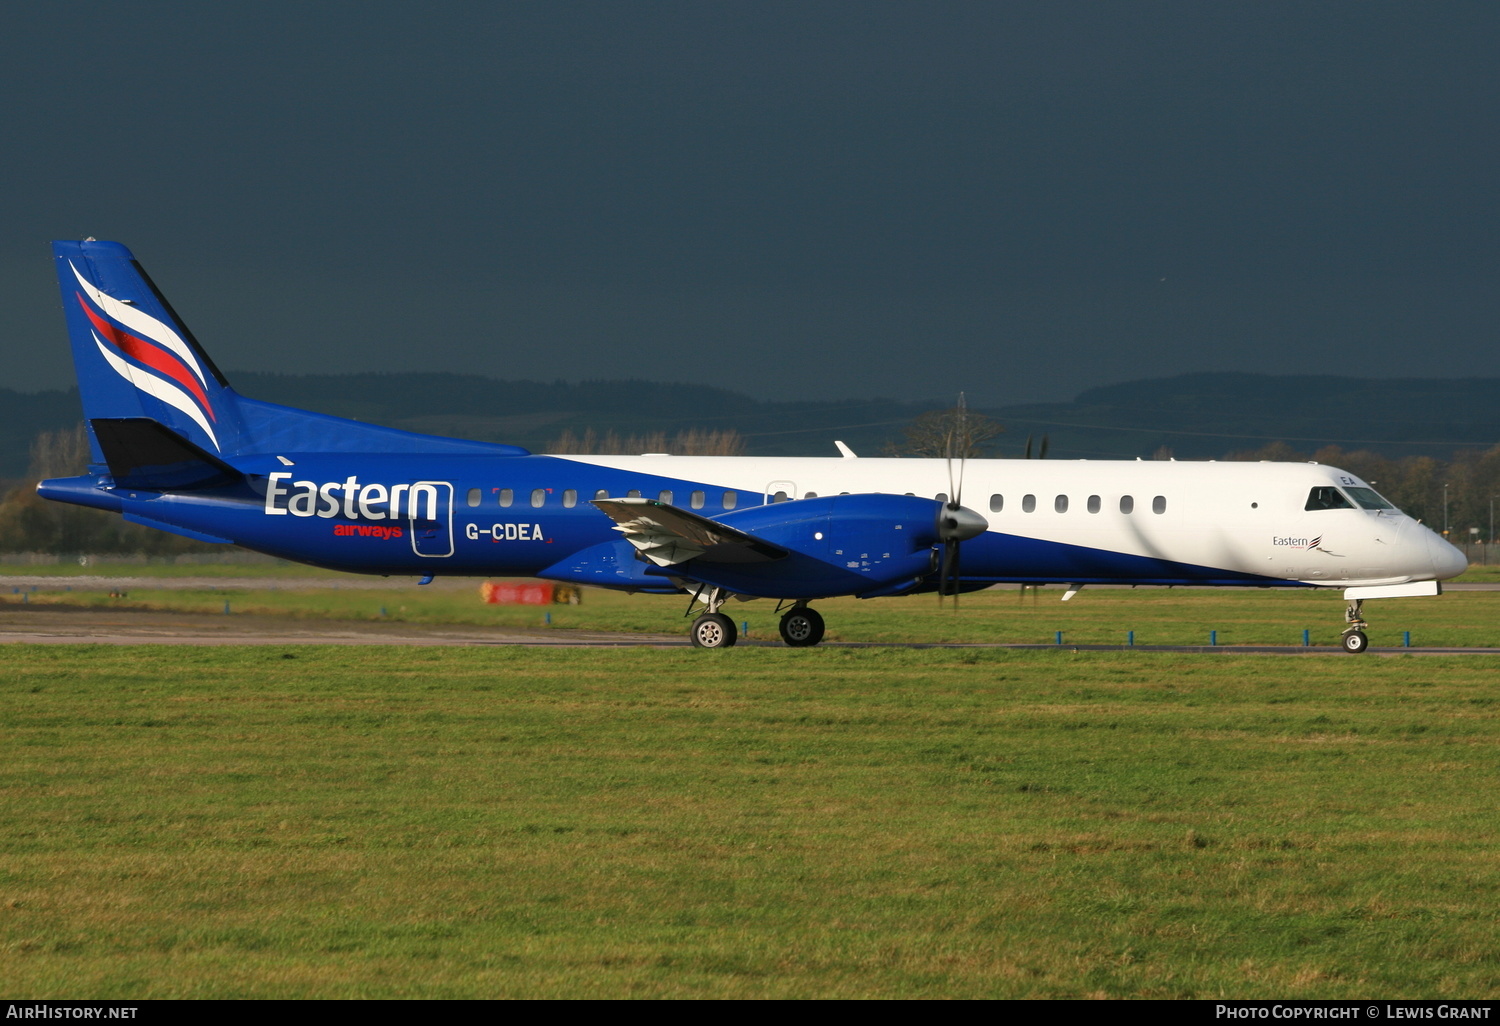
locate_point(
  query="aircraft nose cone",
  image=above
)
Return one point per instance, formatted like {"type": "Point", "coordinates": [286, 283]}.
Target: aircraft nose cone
{"type": "Point", "coordinates": [1447, 561]}
{"type": "Point", "coordinates": [959, 523]}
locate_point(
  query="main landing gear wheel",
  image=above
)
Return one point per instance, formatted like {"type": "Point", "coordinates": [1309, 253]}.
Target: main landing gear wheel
{"type": "Point", "coordinates": [802, 627]}
{"type": "Point", "coordinates": [1355, 642]}
{"type": "Point", "coordinates": [713, 630]}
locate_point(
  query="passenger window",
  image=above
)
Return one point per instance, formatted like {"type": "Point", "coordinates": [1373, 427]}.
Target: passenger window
{"type": "Point", "coordinates": [810, 495]}
{"type": "Point", "coordinates": [602, 493]}
{"type": "Point", "coordinates": [634, 493]}
{"type": "Point", "coordinates": [697, 500]}
{"type": "Point", "coordinates": [570, 498]}
{"type": "Point", "coordinates": [1327, 498]}
{"type": "Point", "coordinates": [473, 496]}
{"type": "Point", "coordinates": [1127, 504]}
{"type": "Point", "coordinates": [665, 495]}
{"type": "Point", "coordinates": [1028, 504]}
{"type": "Point", "coordinates": [507, 496]}
{"type": "Point", "coordinates": [1094, 504]}
{"type": "Point", "coordinates": [1060, 504]}
{"type": "Point", "coordinates": [538, 496]}
{"type": "Point", "coordinates": [1159, 504]}
{"type": "Point", "coordinates": [779, 497]}
{"type": "Point", "coordinates": [941, 496]}
{"type": "Point", "coordinates": [731, 499]}
{"type": "Point", "coordinates": [997, 503]}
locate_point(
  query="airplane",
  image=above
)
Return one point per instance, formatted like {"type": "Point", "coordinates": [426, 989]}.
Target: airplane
{"type": "Point", "coordinates": [174, 447]}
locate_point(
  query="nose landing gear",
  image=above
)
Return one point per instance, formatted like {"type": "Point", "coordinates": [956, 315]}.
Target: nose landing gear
{"type": "Point", "coordinates": [1353, 639]}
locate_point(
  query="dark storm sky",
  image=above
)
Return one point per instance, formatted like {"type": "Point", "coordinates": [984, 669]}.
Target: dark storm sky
{"type": "Point", "coordinates": [796, 200]}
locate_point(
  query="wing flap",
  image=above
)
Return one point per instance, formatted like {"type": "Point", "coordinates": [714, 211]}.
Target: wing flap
{"type": "Point", "coordinates": [668, 536]}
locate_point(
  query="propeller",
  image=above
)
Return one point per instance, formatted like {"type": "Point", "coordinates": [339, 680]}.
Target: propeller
{"type": "Point", "coordinates": [955, 523]}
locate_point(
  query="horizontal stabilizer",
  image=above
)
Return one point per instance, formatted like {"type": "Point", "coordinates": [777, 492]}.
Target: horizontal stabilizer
{"type": "Point", "coordinates": [185, 532]}
{"type": "Point", "coordinates": [145, 454]}
{"type": "Point", "coordinates": [668, 536]}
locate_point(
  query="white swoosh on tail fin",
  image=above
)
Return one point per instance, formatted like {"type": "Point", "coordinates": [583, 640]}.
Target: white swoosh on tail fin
{"type": "Point", "coordinates": [157, 387]}
{"type": "Point", "coordinates": [143, 324]}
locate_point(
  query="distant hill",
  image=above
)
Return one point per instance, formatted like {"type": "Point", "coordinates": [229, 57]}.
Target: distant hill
{"type": "Point", "coordinates": [1196, 416]}
{"type": "Point", "coordinates": [1206, 416]}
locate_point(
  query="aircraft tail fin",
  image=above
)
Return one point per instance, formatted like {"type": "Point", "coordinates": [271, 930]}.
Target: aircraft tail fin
{"type": "Point", "coordinates": [133, 355]}
{"type": "Point", "coordinates": [135, 359]}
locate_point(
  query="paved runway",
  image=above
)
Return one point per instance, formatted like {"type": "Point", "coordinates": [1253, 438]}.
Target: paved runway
{"type": "Point", "coordinates": [75, 625]}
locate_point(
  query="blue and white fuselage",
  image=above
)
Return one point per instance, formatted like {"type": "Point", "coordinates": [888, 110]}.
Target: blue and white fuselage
{"type": "Point", "coordinates": [1068, 522]}
{"type": "Point", "coordinates": [176, 448]}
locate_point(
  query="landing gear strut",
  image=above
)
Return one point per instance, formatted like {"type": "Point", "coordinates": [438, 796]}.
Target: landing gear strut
{"type": "Point", "coordinates": [1353, 638]}
{"type": "Point", "coordinates": [713, 629]}
{"type": "Point", "coordinates": [801, 627]}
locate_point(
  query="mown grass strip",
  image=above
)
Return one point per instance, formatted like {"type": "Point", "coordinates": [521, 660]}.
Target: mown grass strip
{"type": "Point", "coordinates": [320, 821]}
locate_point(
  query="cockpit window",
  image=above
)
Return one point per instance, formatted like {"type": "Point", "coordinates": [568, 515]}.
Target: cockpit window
{"type": "Point", "coordinates": [1327, 497]}
{"type": "Point", "coordinates": [1368, 498]}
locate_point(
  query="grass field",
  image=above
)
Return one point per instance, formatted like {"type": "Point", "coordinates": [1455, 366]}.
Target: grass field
{"type": "Point", "coordinates": [344, 822]}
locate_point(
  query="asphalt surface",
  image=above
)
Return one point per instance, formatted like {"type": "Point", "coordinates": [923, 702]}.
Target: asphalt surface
{"type": "Point", "coordinates": [75, 625]}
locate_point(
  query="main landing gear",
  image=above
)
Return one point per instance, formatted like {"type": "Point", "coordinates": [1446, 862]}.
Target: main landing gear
{"type": "Point", "coordinates": [713, 629]}
{"type": "Point", "coordinates": [1353, 638]}
{"type": "Point", "coordinates": [802, 627]}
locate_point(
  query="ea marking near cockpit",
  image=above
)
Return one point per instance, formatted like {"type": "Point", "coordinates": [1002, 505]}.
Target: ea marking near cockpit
{"type": "Point", "coordinates": [176, 448]}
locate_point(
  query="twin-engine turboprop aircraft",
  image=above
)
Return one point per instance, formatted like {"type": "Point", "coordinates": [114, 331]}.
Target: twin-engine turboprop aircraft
{"type": "Point", "coordinates": [174, 447]}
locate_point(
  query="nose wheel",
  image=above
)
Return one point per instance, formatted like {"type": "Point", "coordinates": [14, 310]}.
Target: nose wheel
{"type": "Point", "coordinates": [802, 627]}
{"type": "Point", "coordinates": [1354, 640]}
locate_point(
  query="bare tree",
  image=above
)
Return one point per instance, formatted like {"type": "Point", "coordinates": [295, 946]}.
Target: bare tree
{"type": "Point", "coordinates": [60, 453]}
{"type": "Point", "coordinates": [957, 432]}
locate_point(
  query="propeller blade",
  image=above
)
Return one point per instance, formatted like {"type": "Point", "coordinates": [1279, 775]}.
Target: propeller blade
{"type": "Point", "coordinates": [957, 577]}
{"type": "Point", "coordinates": [957, 490]}
{"type": "Point", "coordinates": [953, 524]}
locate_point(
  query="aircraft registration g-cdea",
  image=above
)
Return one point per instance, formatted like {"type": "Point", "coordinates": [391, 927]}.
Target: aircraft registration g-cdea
{"type": "Point", "coordinates": [175, 448]}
